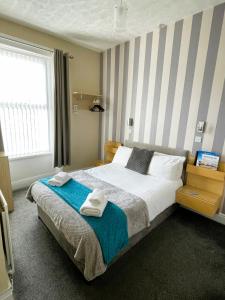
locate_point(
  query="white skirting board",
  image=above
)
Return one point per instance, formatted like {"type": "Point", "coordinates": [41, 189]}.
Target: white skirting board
{"type": "Point", "coordinates": [7, 295]}
{"type": "Point", "coordinates": [26, 182]}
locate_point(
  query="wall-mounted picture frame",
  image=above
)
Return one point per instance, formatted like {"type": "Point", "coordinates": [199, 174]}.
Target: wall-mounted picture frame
{"type": "Point", "coordinates": [206, 159]}
{"type": "Point", "coordinates": [201, 126]}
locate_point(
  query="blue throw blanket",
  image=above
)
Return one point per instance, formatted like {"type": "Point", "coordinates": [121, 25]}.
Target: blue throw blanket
{"type": "Point", "coordinates": [110, 229]}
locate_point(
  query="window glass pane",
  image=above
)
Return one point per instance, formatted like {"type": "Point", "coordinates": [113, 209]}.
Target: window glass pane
{"type": "Point", "coordinates": [24, 103]}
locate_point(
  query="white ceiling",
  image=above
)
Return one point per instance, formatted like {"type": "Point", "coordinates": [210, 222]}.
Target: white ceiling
{"type": "Point", "coordinates": [90, 22]}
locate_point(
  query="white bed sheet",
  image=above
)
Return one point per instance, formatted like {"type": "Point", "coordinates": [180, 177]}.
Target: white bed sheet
{"type": "Point", "coordinates": [157, 193]}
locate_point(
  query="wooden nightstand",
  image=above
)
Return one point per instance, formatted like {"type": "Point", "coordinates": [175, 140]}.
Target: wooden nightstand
{"type": "Point", "coordinates": [100, 163]}
{"type": "Point", "coordinates": [110, 149]}
{"type": "Point", "coordinates": [199, 200]}
{"type": "Point", "coordinates": [204, 190]}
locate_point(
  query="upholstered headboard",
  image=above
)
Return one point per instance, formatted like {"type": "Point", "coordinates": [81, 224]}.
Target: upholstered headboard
{"type": "Point", "coordinates": [162, 149]}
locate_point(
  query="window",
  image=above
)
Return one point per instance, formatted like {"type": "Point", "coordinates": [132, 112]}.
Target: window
{"type": "Point", "coordinates": [25, 93]}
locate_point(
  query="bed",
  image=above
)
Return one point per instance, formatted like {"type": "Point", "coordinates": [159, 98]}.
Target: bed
{"type": "Point", "coordinates": [146, 201]}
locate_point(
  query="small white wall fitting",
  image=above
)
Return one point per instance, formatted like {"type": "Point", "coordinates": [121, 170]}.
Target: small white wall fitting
{"type": "Point", "coordinates": [75, 108]}
{"type": "Point", "coordinates": [198, 139]}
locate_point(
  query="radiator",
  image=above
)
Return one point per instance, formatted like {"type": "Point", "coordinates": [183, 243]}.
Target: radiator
{"type": "Point", "coordinates": [6, 236]}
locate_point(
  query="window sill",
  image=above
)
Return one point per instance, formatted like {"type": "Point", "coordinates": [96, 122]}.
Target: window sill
{"type": "Point", "coordinates": [30, 156]}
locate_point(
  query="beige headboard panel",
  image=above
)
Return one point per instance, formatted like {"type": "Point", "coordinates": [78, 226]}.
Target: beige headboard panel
{"type": "Point", "coordinates": [161, 149]}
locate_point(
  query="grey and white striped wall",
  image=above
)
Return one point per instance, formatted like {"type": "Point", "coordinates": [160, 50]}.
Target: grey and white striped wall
{"type": "Point", "coordinates": [168, 80]}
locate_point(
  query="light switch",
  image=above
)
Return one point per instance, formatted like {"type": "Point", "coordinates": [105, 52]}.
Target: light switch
{"type": "Point", "coordinates": [75, 108]}
{"type": "Point", "coordinates": [198, 139]}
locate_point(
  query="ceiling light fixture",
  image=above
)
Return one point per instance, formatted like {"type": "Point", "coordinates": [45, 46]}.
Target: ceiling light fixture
{"type": "Point", "coordinates": [120, 16]}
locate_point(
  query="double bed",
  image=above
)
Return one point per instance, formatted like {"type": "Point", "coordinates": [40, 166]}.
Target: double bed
{"type": "Point", "coordinates": [146, 200]}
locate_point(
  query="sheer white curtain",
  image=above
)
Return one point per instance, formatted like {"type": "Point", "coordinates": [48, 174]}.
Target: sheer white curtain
{"type": "Point", "coordinates": [24, 102]}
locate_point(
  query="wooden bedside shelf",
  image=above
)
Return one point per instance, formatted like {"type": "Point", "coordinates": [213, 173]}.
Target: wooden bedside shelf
{"type": "Point", "coordinates": [203, 191]}
{"type": "Point", "coordinates": [110, 149]}
{"type": "Point", "coordinates": [199, 200]}
{"type": "Point", "coordinates": [200, 171]}
{"type": "Point", "coordinates": [100, 163]}
{"type": "Point", "coordinates": [113, 150]}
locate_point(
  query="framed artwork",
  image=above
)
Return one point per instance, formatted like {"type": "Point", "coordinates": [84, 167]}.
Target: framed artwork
{"type": "Point", "coordinates": [207, 159]}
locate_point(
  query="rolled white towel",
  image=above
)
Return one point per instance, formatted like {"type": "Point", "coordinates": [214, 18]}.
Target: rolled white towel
{"type": "Point", "coordinates": [96, 197]}
{"type": "Point", "coordinates": [59, 180]}
{"type": "Point", "coordinates": [93, 207]}
{"type": "Point", "coordinates": [61, 176]}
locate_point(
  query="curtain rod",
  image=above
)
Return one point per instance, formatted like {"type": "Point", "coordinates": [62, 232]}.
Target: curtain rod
{"type": "Point", "coordinates": [32, 45]}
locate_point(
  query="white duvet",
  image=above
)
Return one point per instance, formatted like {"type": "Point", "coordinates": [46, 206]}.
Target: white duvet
{"type": "Point", "coordinates": [157, 193]}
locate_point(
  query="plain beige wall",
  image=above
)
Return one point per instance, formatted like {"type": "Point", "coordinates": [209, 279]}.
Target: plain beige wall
{"type": "Point", "coordinates": [84, 75]}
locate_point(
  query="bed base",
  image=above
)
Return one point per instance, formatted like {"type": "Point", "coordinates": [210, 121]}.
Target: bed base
{"type": "Point", "coordinates": [70, 250]}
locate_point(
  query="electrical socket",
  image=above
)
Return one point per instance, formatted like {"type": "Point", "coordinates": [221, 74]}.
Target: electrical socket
{"type": "Point", "coordinates": [198, 139]}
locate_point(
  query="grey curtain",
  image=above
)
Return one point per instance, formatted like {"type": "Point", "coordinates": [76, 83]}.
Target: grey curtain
{"type": "Point", "coordinates": [62, 109]}
{"type": "Point", "coordinates": [1, 140]}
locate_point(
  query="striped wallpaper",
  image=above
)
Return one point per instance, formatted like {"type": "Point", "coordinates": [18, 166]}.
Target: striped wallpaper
{"type": "Point", "coordinates": [167, 81]}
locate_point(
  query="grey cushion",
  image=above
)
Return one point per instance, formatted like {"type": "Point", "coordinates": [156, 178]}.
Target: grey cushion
{"type": "Point", "coordinates": [139, 160]}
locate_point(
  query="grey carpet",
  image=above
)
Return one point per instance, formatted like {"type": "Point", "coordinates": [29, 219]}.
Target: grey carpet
{"type": "Point", "coordinates": [184, 258]}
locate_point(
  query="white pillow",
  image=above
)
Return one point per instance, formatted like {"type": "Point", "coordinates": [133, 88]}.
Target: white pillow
{"type": "Point", "coordinates": [122, 155]}
{"type": "Point", "coordinates": [166, 166]}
